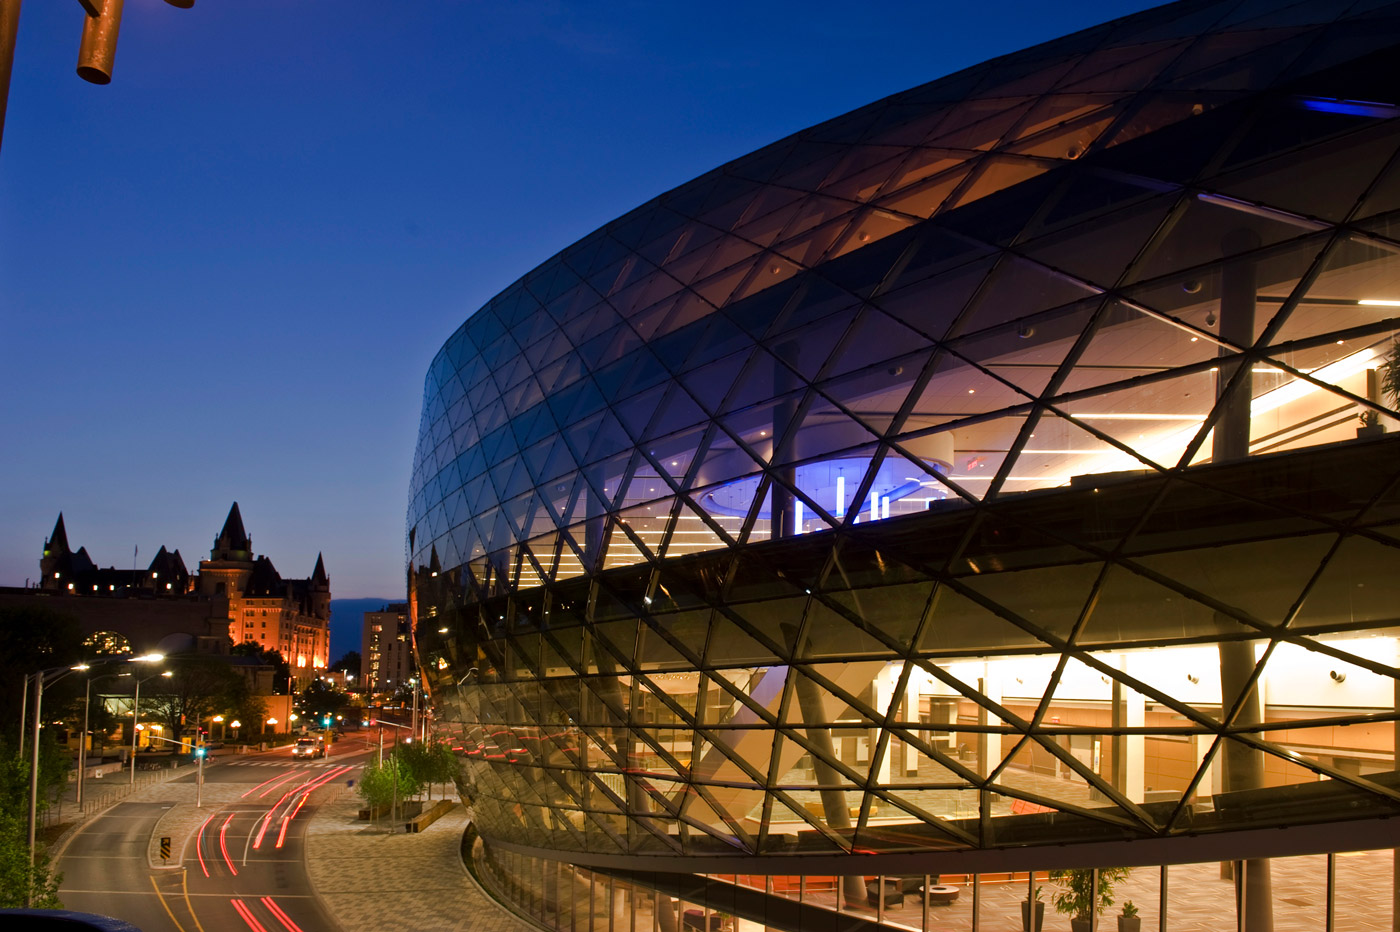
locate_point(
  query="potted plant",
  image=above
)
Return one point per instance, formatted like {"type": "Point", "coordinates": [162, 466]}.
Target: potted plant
{"type": "Point", "coordinates": [1026, 912]}
{"type": "Point", "coordinates": [1370, 424]}
{"type": "Point", "coordinates": [1388, 372]}
{"type": "Point", "coordinates": [1076, 895]}
{"type": "Point", "coordinates": [1129, 921]}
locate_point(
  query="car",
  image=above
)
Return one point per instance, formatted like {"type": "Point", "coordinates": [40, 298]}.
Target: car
{"type": "Point", "coordinates": [308, 747]}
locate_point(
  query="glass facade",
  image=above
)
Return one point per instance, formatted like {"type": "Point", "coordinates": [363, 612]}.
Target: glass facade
{"type": "Point", "coordinates": [998, 468]}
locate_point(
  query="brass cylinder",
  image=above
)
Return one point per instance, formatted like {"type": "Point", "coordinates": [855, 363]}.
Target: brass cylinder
{"type": "Point", "coordinates": [99, 48]}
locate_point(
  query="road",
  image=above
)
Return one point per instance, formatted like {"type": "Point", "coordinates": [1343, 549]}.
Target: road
{"type": "Point", "coordinates": [243, 866]}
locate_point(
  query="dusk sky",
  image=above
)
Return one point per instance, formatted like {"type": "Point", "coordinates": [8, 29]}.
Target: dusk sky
{"type": "Point", "coordinates": [223, 276]}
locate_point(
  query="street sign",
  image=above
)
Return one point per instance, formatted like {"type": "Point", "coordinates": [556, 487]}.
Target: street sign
{"type": "Point", "coordinates": [165, 847]}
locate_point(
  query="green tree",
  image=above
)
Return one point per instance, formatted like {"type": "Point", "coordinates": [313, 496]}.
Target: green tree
{"type": "Point", "coordinates": [243, 705]}
{"type": "Point", "coordinates": [1075, 897]}
{"type": "Point", "coordinates": [32, 639]}
{"type": "Point", "coordinates": [350, 663]}
{"type": "Point", "coordinates": [17, 878]}
{"type": "Point", "coordinates": [200, 686]}
{"type": "Point", "coordinates": [384, 784]}
{"type": "Point", "coordinates": [15, 874]}
{"type": "Point", "coordinates": [282, 675]}
{"type": "Point", "coordinates": [319, 699]}
{"type": "Point", "coordinates": [430, 762]}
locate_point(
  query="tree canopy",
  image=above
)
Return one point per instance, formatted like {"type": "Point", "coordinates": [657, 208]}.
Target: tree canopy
{"type": "Point", "coordinates": [200, 686]}
{"type": "Point", "coordinates": [350, 663]}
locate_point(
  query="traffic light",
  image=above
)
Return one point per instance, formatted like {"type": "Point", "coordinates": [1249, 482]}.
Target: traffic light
{"type": "Point", "coordinates": [199, 752]}
{"type": "Point", "coordinates": [326, 721]}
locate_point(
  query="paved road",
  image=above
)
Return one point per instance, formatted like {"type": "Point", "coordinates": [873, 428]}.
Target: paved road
{"type": "Point", "coordinates": [105, 870]}
{"type": "Point", "coordinates": [242, 857]}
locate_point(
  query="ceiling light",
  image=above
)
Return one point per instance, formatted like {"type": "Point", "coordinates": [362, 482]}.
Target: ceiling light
{"type": "Point", "coordinates": [1379, 302]}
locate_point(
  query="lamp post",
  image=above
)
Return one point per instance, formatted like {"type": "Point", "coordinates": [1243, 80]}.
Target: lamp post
{"type": "Point", "coordinates": [235, 725]}
{"type": "Point", "coordinates": [136, 719]}
{"type": "Point", "coordinates": [83, 736]}
{"type": "Point", "coordinates": [52, 675]}
{"type": "Point", "coordinates": [199, 757]}
{"type": "Point", "coordinates": [87, 705]}
{"type": "Point", "coordinates": [220, 720]}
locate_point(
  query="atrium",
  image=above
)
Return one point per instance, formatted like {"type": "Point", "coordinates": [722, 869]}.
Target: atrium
{"type": "Point", "coordinates": [994, 480]}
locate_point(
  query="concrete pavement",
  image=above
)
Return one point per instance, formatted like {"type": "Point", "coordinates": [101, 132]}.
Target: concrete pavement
{"type": "Point", "coordinates": [373, 881]}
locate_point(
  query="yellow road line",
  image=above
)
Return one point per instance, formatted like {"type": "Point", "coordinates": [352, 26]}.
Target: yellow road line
{"type": "Point", "coordinates": [160, 896]}
{"type": "Point", "coordinates": [185, 890]}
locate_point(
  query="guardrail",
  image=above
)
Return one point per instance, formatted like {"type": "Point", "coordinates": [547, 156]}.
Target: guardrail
{"type": "Point", "coordinates": [99, 793]}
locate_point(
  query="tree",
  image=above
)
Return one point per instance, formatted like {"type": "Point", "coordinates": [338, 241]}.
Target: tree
{"type": "Point", "coordinates": [429, 762]}
{"type": "Point", "coordinates": [350, 663]}
{"type": "Point", "coordinates": [1075, 896]}
{"type": "Point", "coordinates": [17, 878]}
{"type": "Point", "coordinates": [242, 704]}
{"type": "Point", "coordinates": [320, 699]}
{"type": "Point", "coordinates": [200, 686]}
{"type": "Point", "coordinates": [282, 676]}
{"type": "Point", "coordinates": [384, 784]}
{"type": "Point", "coordinates": [33, 639]}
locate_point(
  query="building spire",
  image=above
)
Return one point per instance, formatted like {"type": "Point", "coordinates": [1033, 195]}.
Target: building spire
{"type": "Point", "coordinates": [233, 543]}
{"type": "Point", "coordinates": [318, 575]}
{"type": "Point", "coordinates": [58, 540]}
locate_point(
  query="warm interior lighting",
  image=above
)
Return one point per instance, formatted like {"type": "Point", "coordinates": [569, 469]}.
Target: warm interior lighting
{"type": "Point", "coordinates": [1379, 302]}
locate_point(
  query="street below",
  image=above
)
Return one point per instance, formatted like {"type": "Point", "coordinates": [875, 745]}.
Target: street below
{"type": "Point", "coordinates": [237, 862]}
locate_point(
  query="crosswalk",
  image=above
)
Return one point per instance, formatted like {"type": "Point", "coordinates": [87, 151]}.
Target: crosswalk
{"type": "Point", "coordinates": [286, 763]}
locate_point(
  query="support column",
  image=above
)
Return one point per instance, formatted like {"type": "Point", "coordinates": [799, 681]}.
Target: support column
{"type": "Point", "coordinates": [1129, 751]}
{"type": "Point", "coordinates": [1243, 766]}
{"type": "Point", "coordinates": [884, 693]}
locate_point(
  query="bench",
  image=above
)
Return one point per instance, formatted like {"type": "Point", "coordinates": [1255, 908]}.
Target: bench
{"type": "Point", "coordinates": [429, 816]}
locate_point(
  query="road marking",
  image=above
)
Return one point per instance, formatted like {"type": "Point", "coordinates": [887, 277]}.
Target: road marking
{"type": "Point", "coordinates": [185, 891]}
{"type": "Point", "coordinates": [161, 897]}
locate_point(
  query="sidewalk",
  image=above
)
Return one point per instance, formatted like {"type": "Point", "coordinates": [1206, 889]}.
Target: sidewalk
{"type": "Point", "coordinates": [372, 881]}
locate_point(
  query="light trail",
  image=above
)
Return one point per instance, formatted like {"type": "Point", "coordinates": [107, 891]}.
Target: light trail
{"type": "Point", "coordinates": [248, 916]}
{"type": "Point", "coordinates": [281, 915]}
{"type": "Point", "coordinates": [223, 847]}
{"type": "Point", "coordinates": [305, 789]}
{"type": "Point", "coordinates": [282, 833]}
{"type": "Point", "coordinates": [199, 843]}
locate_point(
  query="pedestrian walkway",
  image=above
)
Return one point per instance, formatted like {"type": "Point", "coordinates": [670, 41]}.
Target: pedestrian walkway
{"type": "Point", "coordinates": [370, 880]}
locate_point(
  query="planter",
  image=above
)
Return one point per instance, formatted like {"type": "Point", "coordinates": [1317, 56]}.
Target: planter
{"type": "Point", "coordinates": [1129, 924]}
{"type": "Point", "coordinates": [1079, 924]}
{"type": "Point", "coordinates": [1026, 917]}
{"type": "Point", "coordinates": [1372, 430]}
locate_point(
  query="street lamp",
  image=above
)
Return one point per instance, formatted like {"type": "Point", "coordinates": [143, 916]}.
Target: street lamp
{"type": "Point", "coordinates": [220, 720]}
{"type": "Point", "coordinates": [235, 725]}
{"type": "Point", "coordinates": [135, 718]}
{"type": "Point", "coordinates": [52, 675]}
{"type": "Point", "coordinates": [87, 705]}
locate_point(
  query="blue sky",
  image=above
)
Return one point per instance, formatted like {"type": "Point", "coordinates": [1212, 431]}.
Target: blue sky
{"type": "Point", "coordinates": [223, 276]}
